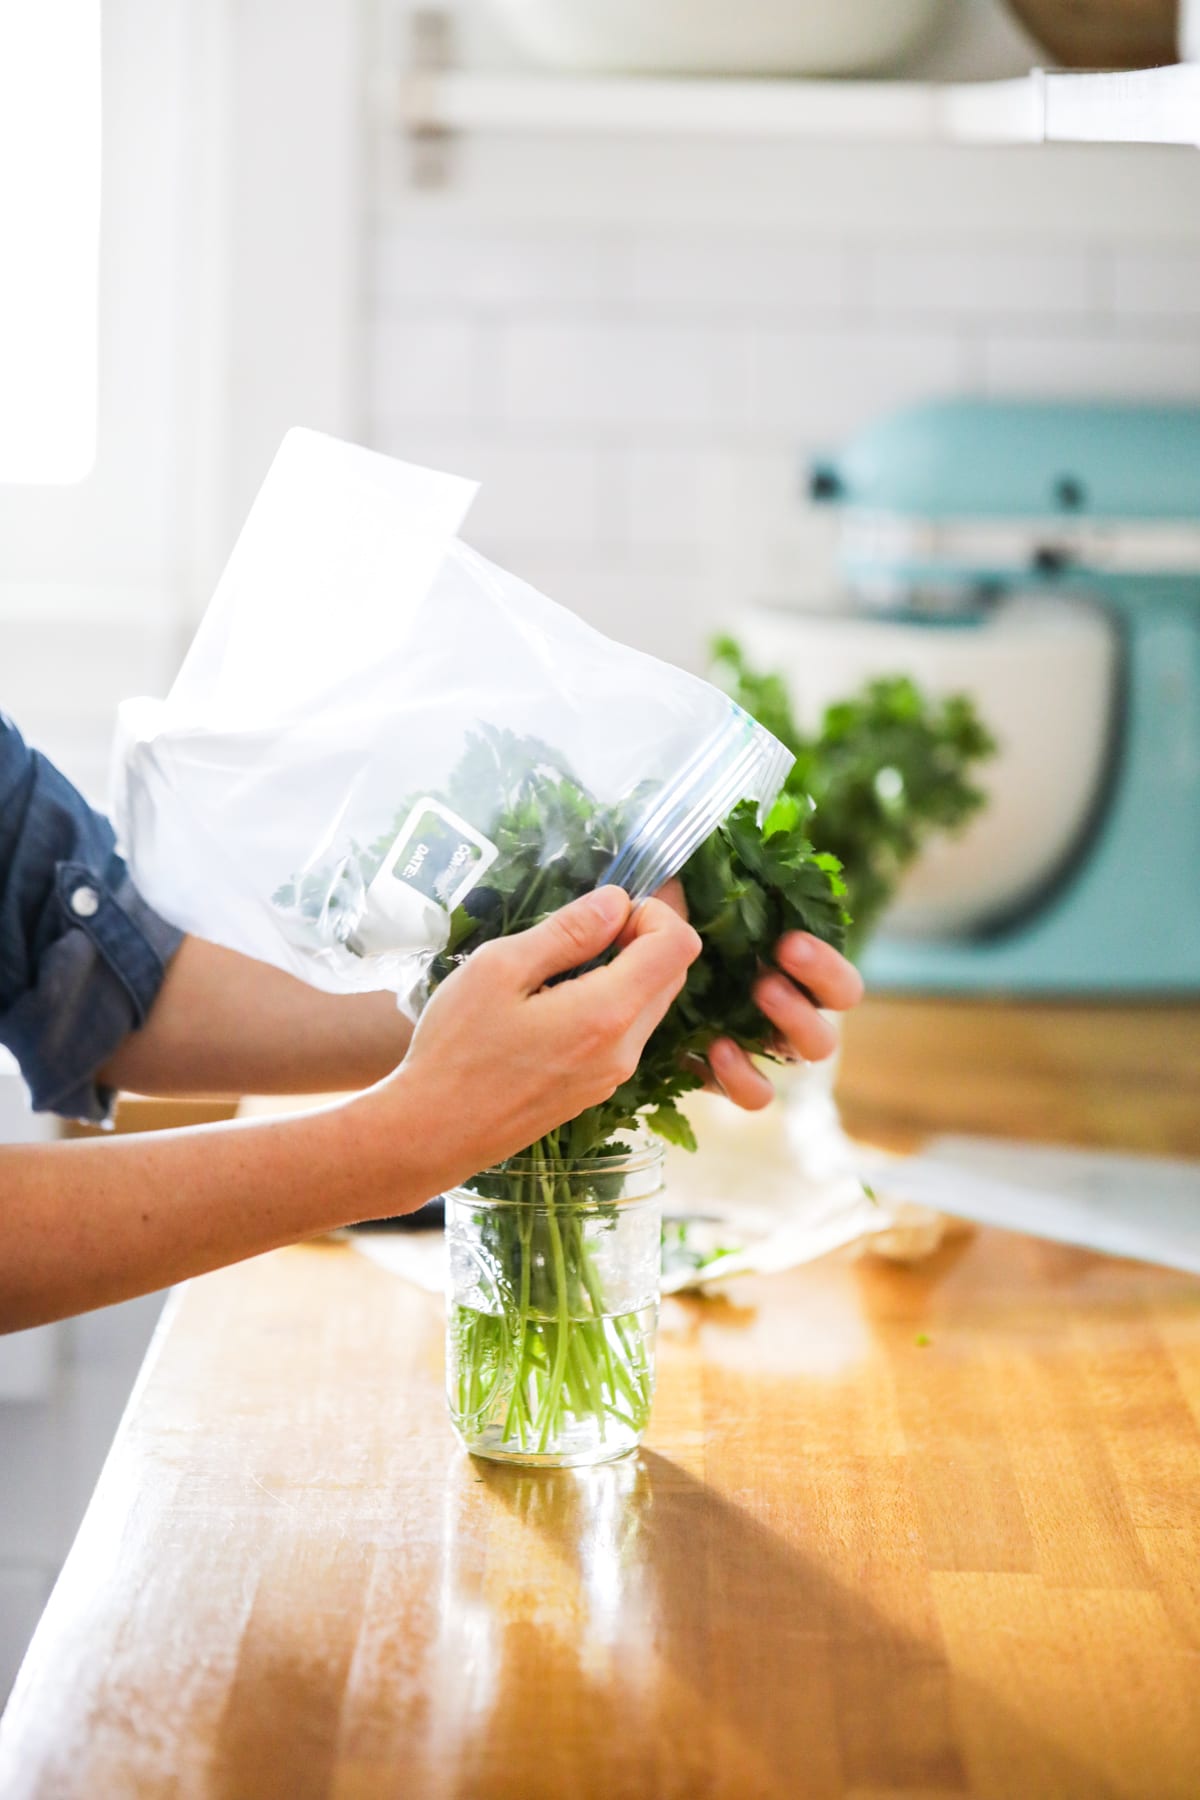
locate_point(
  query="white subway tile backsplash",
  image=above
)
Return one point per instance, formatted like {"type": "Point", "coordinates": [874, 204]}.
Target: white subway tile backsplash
{"type": "Point", "coordinates": [620, 375]}
{"type": "Point", "coordinates": [744, 512]}
{"type": "Point", "coordinates": [772, 513]}
{"type": "Point", "coordinates": [676, 498]}
{"type": "Point", "coordinates": [815, 386]}
{"type": "Point", "coordinates": [488, 269]}
{"type": "Point", "coordinates": [547, 493]}
{"type": "Point", "coordinates": [423, 367]}
{"type": "Point", "coordinates": [636, 343]}
{"type": "Point", "coordinates": [1057, 195]}
{"type": "Point", "coordinates": [1083, 363]}
{"type": "Point", "coordinates": [1152, 283]}
{"type": "Point", "coordinates": [977, 279]}
{"type": "Point", "coordinates": [668, 613]}
{"type": "Point", "coordinates": [778, 274]}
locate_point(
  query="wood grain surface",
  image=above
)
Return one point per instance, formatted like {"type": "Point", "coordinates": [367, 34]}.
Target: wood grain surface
{"type": "Point", "coordinates": [909, 1533]}
{"type": "Point", "coordinates": [847, 1563]}
{"type": "Point", "coordinates": [1119, 1077]}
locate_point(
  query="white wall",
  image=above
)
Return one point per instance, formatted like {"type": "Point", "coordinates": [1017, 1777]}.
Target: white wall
{"type": "Point", "coordinates": [229, 281]}
{"type": "Point", "coordinates": [230, 306]}
{"type": "Point", "coordinates": [634, 343]}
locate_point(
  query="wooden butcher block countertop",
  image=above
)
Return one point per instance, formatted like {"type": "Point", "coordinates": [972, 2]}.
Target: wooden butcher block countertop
{"type": "Point", "coordinates": [906, 1532]}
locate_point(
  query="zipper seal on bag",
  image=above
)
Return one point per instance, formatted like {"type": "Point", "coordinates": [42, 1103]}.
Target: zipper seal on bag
{"type": "Point", "coordinates": [740, 760]}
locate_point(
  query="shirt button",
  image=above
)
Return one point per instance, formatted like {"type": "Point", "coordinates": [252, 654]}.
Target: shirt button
{"type": "Point", "coordinates": [85, 902]}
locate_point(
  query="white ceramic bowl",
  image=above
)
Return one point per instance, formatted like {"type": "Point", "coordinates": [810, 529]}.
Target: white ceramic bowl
{"type": "Point", "coordinates": [714, 37]}
{"type": "Point", "coordinates": [1042, 673]}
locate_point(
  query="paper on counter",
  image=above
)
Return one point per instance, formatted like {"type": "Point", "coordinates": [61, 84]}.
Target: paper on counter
{"type": "Point", "coordinates": [1141, 1206]}
{"type": "Point", "coordinates": [745, 1193]}
{"type": "Point", "coordinates": [783, 1187]}
{"type": "Point", "coordinates": [418, 1256]}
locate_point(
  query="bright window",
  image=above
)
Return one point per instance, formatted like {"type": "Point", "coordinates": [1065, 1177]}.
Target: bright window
{"type": "Point", "coordinates": [49, 238]}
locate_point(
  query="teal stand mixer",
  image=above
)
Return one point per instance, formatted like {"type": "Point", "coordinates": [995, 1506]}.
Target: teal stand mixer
{"type": "Point", "coordinates": [950, 509]}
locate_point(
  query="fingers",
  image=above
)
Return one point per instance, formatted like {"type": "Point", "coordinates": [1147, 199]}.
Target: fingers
{"type": "Point", "coordinates": [829, 978]}
{"type": "Point", "coordinates": [737, 1076]}
{"type": "Point", "coordinates": [570, 937]}
{"type": "Point", "coordinates": [801, 1030]}
{"type": "Point", "coordinates": [659, 949]}
{"type": "Point", "coordinates": [670, 894]}
{"type": "Point", "coordinates": [622, 1002]}
{"type": "Point", "coordinates": [795, 1018]}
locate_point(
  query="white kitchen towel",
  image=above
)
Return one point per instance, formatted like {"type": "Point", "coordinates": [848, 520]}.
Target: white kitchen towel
{"type": "Point", "coordinates": [749, 1213]}
{"type": "Point", "coordinates": [1142, 1206]}
{"type": "Point", "coordinates": [743, 1204]}
{"type": "Point", "coordinates": [417, 1256]}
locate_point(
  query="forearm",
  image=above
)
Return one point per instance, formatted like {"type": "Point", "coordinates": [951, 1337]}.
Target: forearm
{"type": "Point", "coordinates": [224, 1025]}
{"type": "Point", "coordinates": [89, 1223]}
{"type": "Point", "coordinates": [503, 1054]}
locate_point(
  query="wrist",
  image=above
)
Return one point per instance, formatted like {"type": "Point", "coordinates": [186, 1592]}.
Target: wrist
{"type": "Point", "coordinates": [398, 1146]}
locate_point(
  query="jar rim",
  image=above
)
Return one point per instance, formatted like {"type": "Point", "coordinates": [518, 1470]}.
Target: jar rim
{"type": "Point", "coordinates": [643, 1155]}
{"type": "Point", "coordinates": [644, 1152]}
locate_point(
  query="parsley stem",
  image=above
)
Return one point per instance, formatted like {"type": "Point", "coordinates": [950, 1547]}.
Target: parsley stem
{"type": "Point", "coordinates": [525, 1258]}
{"type": "Point", "coordinates": [554, 1386]}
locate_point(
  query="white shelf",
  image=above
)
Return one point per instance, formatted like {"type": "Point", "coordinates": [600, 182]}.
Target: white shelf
{"type": "Point", "coordinates": [1139, 106]}
{"type": "Point", "coordinates": [1152, 106]}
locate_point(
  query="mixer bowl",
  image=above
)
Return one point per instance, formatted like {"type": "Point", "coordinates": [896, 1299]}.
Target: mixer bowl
{"type": "Point", "coordinates": [1043, 672]}
{"type": "Point", "coordinates": [759, 37]}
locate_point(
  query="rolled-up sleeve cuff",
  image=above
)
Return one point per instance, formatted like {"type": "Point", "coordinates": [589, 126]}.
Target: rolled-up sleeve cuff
{"type": "Point", "coordinates": [96, 983]}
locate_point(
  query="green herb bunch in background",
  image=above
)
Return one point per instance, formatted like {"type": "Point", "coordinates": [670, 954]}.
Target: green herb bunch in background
{"type": "Point", "coordinates": [886, 769]}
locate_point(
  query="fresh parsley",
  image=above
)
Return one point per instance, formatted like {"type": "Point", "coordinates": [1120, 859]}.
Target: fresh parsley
{"type": "Point", "coordinates": [886, 769]}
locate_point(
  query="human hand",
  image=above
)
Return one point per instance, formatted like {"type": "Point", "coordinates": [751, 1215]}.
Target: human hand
{"type": "Point", "coordinates": [827, 981]}
{"type": "Point", "coordinates": [499, 1058]}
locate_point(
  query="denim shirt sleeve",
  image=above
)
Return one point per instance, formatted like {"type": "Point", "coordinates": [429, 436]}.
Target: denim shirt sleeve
{"type": "Point", "coordinates": [82, 956]}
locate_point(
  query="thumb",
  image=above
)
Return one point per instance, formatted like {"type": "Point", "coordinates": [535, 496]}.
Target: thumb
{"type": "Point", "coordinates": [570, 937]}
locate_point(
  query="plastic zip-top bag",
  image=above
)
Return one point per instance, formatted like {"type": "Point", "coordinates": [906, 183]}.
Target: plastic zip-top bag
{"type": "Point", "coordinates": [378, 736]}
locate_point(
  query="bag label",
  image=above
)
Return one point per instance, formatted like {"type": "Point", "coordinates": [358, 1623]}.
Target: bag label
{"type": "Point", "coordinates": [437, 855]}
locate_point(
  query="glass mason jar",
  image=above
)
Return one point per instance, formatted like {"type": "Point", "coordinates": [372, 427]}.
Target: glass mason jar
{"type": "Point", "coordinates": [815, 1134]}
{"type": "Point", "coordinates": [552, 1305]}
